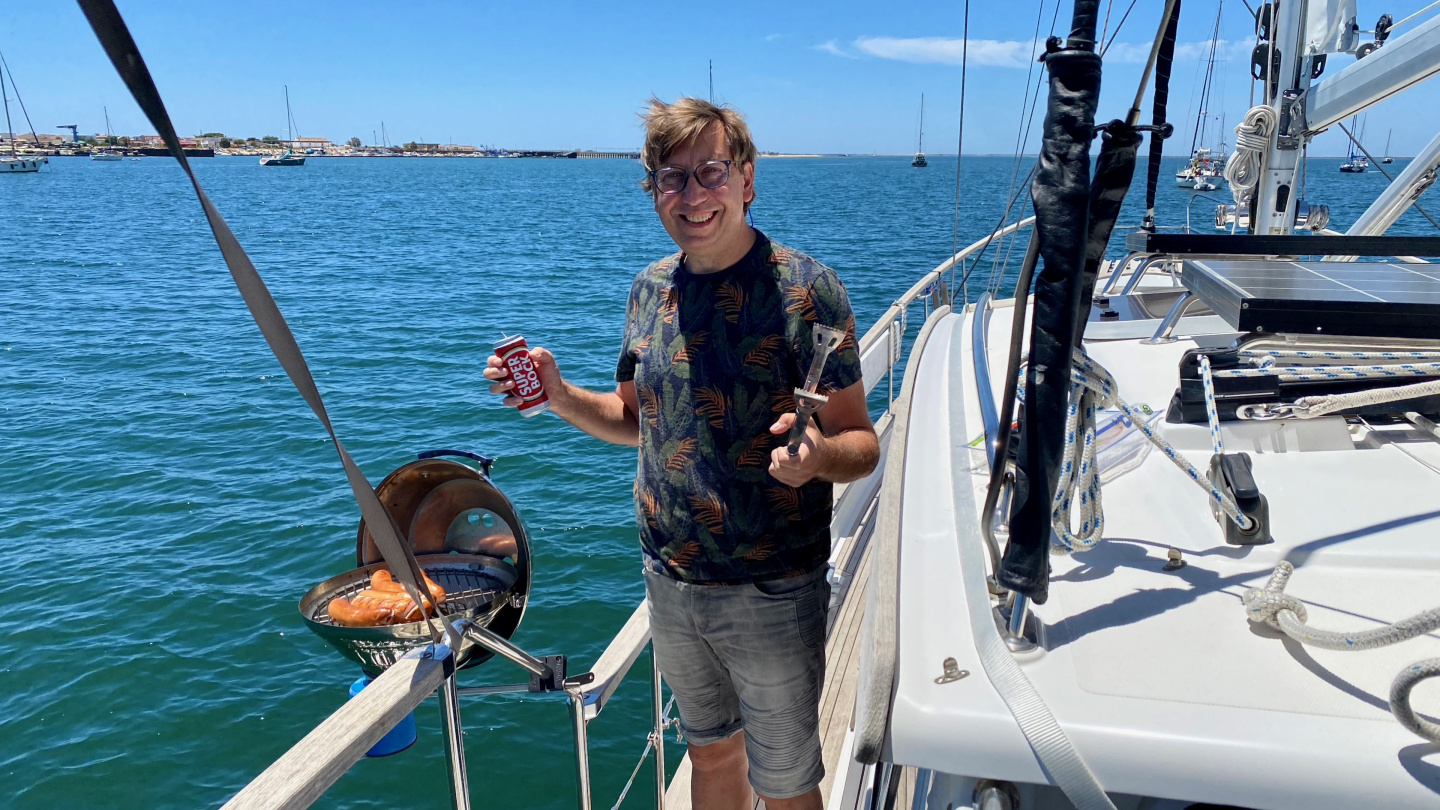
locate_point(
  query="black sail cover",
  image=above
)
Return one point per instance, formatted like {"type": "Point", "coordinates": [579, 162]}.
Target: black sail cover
{"type": "Point", "coordinates": [1114, 171]}
{"type": "Point", "coordinates": [1061, 193]}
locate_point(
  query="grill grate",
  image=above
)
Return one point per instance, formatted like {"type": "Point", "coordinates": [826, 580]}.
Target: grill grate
{"type": "Point", "coordinates": [466, 591]}
{"type": "Point", "coordinates": [476, 587]}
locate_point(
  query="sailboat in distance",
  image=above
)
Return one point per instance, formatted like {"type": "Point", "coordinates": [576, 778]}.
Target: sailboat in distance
{"type": "Point", "coordinates": [1387, 158]}
{"type": "Point", "coordinates": [16, 164]}
{"type": "Point", "coordinates": [920, 162]}
{"type": "Point", "coordinates": [105, 154]}
{"type": "Point", "coordinates": [288, 157]}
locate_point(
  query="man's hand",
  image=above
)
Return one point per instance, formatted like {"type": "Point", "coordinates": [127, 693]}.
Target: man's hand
{"type": "Point", "coordinates": [610, 417]}
{"type": "Point", "coordinates": [545, 367]}
{"type": "Point", "coordinates": [845, 450]}
{"type": "Point", "coordinates": [803, 466]}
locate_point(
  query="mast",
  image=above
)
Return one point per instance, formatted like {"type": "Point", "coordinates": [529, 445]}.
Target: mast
{"type": "Point", "coordinates": [289, 134]}
{"type": "Point", "coordinates": [1273, 205]}
{"type": "Point", "coordinates": [920, 144]}
{"type": "Point", "coordinates": [108, 133]}
{"type": "Point", "coordinates": [9, 130]}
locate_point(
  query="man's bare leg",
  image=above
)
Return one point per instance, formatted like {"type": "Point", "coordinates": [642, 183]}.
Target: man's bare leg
{"type": "Point", "coordinates": [719, 775]}
{"type": "Point", "coordinates": [805, 801]}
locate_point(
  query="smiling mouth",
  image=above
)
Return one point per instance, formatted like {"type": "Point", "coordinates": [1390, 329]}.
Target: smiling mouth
{"type": "Point", "coordinates": [698, 219]}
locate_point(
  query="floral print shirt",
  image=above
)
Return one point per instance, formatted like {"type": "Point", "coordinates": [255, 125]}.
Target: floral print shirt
{"type": "Point", "coordinates": [715, 359]}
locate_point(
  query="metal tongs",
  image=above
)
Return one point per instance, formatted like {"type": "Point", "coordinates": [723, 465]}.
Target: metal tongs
{"type": "Point", "coordinates": [807, 402]}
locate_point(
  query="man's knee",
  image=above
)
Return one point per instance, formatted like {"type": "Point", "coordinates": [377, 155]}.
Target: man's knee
{"type": "Point", "coordinates": [719, 756]}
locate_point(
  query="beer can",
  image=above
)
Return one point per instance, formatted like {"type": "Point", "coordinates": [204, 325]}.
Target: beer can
{"type": "Point", "coordinates": [515, 354]}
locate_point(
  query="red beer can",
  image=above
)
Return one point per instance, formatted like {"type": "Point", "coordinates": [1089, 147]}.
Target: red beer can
{"type": "Point", "coordinates": [515, 354]}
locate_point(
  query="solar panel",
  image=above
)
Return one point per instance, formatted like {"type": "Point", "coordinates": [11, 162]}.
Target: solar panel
{"type": "Point", "coordinates": [1366, 299]}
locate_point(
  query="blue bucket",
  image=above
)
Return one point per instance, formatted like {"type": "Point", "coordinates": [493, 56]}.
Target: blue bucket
{"type": "Point", "coordinates": [402, 736]}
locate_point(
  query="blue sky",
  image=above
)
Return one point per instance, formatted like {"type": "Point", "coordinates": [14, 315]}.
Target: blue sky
{"type": "Point", "coordinates": [840, 76]}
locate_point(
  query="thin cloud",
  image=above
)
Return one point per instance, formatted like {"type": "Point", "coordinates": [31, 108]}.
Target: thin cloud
{"type": "Point", "coordinates": [773, 37]}
{"type": "Point", "coordinates": [944, 51]}
{"type": "Point", "coordinates": [1015, 53]}
{"type": "Point", "coordinates": [1136, 53]}
{"type": "Point", "coordinates": [833, 48]}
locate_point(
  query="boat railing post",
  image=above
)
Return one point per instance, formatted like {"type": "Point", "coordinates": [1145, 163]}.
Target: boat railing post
{"type": "Point", "coordinates": [1172, 318]}
{"type": "Point", "coordinates": [657, 736]}
{"type": "Point", "coordinates": [1015, 626]}
{"type": "Point", "coordinates": [454, 744]}
{"type": "Point", "coordinates": [582, 746]}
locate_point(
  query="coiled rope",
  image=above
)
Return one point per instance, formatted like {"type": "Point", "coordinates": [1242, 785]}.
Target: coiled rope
{"type": "Point", "coordinates": [1093, 388]}
{"type": "Point", "coordinates": [1252, 138]}
{"type": "Point", "coordinates": [1272, 606]}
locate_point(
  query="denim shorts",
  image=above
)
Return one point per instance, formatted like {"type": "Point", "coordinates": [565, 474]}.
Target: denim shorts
{"type": "Point", "coordinates": [748, 657]}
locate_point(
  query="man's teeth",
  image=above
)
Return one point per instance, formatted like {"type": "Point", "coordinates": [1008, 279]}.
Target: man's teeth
{"type": "Point", "coordinates": [698, 219]}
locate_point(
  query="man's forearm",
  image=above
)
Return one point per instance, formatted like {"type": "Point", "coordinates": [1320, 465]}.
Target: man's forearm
{"type": "Point", "coordinates": [849, 456]}
{"type": "Point", "coordinates": [602, 415]}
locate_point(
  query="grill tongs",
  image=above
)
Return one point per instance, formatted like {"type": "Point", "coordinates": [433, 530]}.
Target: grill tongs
{"type": "Point", "coordinates": [807, 402]}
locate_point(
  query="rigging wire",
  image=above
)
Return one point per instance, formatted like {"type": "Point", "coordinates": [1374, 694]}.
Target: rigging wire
{"type": "Point", "coordinates": [1022, 136]}
{"type": "Point", "coordinates": [1108, 7]}
{"type": "Point", "coordinates": [1376, 163]}
{"type": "Point", "coordinates": [1118, 26]}
{"type": "Point", "coordinates": [1205, 88]}
{"type": "Point", "coordinates": [16, 88]}
{"type": "Point", "coordinates": [960, 156]}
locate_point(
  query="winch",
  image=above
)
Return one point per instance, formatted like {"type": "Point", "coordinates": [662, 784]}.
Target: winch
{"type": "Point", "coordinates": [466, 536]}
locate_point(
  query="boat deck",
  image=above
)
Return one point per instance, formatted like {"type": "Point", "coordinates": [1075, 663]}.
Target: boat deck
{"type": "Point", "coordinates": [1145, 668]}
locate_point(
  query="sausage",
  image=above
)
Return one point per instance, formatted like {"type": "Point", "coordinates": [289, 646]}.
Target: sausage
{"type": "Point", "coordinates": [373, 614]}
{"type": "Point", "coordinates": [381, 580]}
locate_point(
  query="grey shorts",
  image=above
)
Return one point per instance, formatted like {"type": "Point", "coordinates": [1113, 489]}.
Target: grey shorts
{"type": "Point", "coordinates": [752, 657]}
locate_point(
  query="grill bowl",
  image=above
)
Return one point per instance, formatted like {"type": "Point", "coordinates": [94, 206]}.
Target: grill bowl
{"type": "Point", "coordinates": [476, 586]}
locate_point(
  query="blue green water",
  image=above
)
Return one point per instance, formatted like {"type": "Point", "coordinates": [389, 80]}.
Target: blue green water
{"type": "Point", "coordinates": [166, 497]}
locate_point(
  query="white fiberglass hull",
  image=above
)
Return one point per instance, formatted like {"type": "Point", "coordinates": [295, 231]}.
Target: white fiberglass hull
{"type": "Point", "coordinates": [21, 165]}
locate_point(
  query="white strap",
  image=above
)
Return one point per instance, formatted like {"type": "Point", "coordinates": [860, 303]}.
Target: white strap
{"type": "Point", "coordinates": [1057, 755]}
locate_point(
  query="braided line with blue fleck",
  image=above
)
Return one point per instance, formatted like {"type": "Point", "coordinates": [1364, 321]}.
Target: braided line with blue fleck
{"type": "Point", "coordinates": [1210, 412]}
{"type": "Point", "coordinates": [1093, 388]}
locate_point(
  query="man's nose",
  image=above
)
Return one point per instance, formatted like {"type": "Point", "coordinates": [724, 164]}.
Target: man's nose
{"type": "Point", "coordinates": [693, 192]}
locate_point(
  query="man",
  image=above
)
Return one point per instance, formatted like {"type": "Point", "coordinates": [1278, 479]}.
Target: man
{"type": "Point", "coordinates": [735, 531]}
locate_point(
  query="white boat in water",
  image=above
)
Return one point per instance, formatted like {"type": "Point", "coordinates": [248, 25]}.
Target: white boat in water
{"type": "Point", "coordinates": [1157, 533]}
{"type": "Point", "coordinates": [15, 164]}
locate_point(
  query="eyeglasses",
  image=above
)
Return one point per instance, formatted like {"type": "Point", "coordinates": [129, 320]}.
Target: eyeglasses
{"type": "Point", "coordinates": [672, 179]}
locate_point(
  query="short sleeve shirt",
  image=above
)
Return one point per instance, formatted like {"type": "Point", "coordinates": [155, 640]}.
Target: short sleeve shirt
{"type": "Point", "coordinates": [715, 359]}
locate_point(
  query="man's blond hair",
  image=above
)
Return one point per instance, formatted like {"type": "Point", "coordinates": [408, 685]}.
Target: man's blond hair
{"type": "Point", "coordinates": [670, 126]}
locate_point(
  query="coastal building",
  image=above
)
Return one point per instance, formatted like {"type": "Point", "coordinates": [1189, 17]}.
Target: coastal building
{"type": "Point", "coordinates": [301, 144]}
{"type": "Point", "coordinates": [209, 142]}
{"type": "Point", "coordinates": [458, 149]}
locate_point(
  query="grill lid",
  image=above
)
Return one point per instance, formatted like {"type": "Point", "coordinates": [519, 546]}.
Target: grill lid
{"type": "Point", "coordinates": [445, 507]}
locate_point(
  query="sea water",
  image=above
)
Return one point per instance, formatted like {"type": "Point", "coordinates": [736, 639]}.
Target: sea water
{"type": "Point", "coordinates": [166, 497]}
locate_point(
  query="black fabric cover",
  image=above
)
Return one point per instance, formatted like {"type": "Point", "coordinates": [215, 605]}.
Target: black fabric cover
{"type": "Point", "coordinates": [1114, 169]}
{"type": "Point", "coordinates": [1161, 100]}
{"type": "Point", "coordinates": [1061, 193]}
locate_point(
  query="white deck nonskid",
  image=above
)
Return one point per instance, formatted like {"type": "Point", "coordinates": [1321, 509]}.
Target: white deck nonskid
{"type": "Point", "coordinates": [1157, 677]}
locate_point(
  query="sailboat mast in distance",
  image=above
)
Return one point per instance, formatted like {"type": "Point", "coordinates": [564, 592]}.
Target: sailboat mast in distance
{"type": "Point", "coordinates": [920, 162]}
{"type": "Point", "coordinates": [9, 129]}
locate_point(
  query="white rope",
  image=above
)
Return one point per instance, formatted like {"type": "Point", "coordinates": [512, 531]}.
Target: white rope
{"type": "Point", "coordinates": [1211, 414]}
{"type": "Point", "coordinates": [1093, 388]}
{"type": "Point", "coordinates": [1272, 606]}
{"type": "Point", "coordinates": [1311, 407]}
{"type": "Point", "coordinates": [1254, 355]}
{"type": "Point", "coordinates": [1252, 138]}
{"type": "Point", "coordinates": [1309, 373]}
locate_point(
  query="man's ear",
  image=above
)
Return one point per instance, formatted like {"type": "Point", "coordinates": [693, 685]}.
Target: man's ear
{"type": "Point", "coordinates": [749, 171]}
